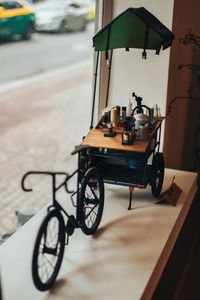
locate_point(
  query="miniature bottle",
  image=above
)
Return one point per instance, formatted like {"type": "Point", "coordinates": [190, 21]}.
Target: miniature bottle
{"type": "Point", "coordinates": [123, 113]}
{"type": "Point", "coordinates": [155, 110]}
{"type": "Point", "coordinates": [129, 108]}
{"type": "Point", "coordinates": [114, 117]}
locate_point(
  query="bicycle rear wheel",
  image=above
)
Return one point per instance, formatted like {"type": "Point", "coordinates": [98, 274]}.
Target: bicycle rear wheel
{"type": "Point", "coordinates": [90, 206]}
{"type": "Point", "coordinates": [157, 174]}
{"type": "Point", "coordinates": [48, 251]}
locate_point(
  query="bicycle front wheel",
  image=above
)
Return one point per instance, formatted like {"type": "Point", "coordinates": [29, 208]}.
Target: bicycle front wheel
{"type": "Point", "coordinates": [48, 251]}
{"type": "Point", "coordinates": [90, 206]}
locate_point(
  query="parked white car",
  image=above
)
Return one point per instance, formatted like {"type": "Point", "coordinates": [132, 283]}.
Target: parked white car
{"type": "Point", "coordinates": [60, 16]}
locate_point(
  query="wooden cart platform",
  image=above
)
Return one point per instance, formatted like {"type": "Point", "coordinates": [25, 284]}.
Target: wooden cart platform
{"type": "Point", "coordinates": [95, 138]}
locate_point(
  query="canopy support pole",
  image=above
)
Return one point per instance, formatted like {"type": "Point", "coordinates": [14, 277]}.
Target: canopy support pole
{"type": "Point", "coordinates": [108, 86]}
{"type": "Point", "coordinates": [144, 53]}
{"type": "Point", "coordinates": [94, 92]}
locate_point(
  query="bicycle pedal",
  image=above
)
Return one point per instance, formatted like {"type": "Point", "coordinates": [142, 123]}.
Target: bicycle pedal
{"type": "Point", "coordinates": [71, 225]}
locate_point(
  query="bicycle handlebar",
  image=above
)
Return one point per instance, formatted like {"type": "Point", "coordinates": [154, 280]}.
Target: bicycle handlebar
{"type": "Point", "coordinates": [53, 174]}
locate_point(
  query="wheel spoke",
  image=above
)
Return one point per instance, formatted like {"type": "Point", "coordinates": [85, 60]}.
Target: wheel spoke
{"type": "Point", "coordinates": [96, 198]}
{"type": "Point", "coordinates": [92, 210]}
{"type": "Point", "coordinates": [50, 263]}
{"type": "Point", "coordinates": [44, 269]}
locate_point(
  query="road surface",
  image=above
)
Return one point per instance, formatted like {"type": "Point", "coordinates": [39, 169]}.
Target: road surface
{"type": "Point", "coordinates": [44, 52]}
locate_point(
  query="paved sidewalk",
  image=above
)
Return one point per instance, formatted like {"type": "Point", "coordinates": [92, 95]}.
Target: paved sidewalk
{"type": "Point", "coordinates": [42, 119]}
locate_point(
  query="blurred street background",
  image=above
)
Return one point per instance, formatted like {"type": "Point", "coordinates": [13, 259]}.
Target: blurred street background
{"type": "Point", "coordinates": [45, 51]}
{"type": "Point", "coordinates": [45, 98]}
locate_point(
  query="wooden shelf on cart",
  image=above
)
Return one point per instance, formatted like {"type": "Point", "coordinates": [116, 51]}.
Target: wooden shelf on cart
{"type": "Point", "coordinates": [95, 138]}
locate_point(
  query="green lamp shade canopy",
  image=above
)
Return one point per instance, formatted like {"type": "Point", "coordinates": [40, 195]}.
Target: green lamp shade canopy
{"type": "Point", "coordinates": [134, 28]}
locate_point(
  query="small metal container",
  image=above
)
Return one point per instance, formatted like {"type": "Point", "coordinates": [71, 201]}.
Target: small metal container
{"type": "Point", "coordinates": [143, 132]}
{"type": "Point", "coordinates": [141, 119]}
{"type": "Point", "coordinates": [127, 137]}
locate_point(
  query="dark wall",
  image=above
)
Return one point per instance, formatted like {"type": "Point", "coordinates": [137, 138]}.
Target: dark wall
{"type": "Point", "coordinates": [182, 133]}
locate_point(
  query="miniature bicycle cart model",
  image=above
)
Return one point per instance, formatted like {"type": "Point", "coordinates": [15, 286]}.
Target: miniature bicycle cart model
{"type": "Point", "coordinates": [118, 150]}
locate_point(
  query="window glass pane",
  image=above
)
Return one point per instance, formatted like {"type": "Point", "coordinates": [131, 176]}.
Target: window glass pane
{"type": "Point", "coordinates": [45, 96]}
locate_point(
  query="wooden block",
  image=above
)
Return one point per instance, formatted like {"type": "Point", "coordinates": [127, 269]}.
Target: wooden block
{"type": "Point", "coordinates": [171, 195]}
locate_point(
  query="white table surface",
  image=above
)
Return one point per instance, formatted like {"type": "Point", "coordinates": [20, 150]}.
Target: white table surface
{"type": "Point", "coordinates": [123, 260]}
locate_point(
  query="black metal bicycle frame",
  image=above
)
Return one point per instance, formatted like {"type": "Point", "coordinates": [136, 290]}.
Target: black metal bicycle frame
{"type": "Point", "coordinates": [56, 188]}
